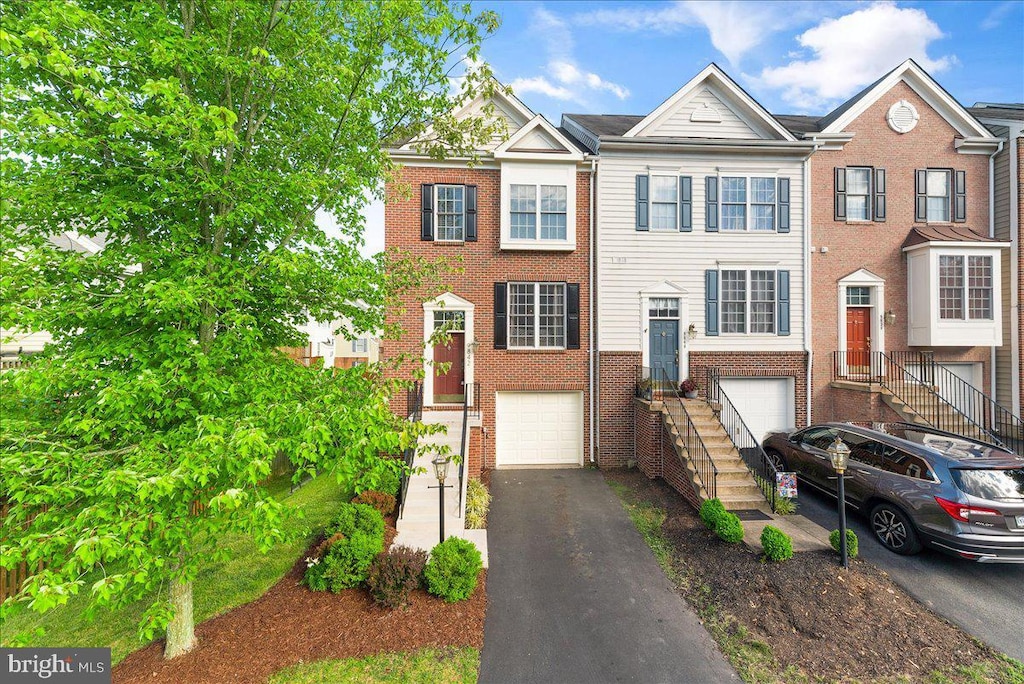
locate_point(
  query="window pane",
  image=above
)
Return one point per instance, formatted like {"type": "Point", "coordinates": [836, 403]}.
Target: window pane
{"type": "Point", "coordinates": [664, 308]}
{"type": "Point", "coordinates": [951, 287]}
{"type": "Point", "coordinates": [734, 301]}
{"type": "Point", "coordinates": [762, 190]}
{"type": "Point", "coordinates": [663, 216]}
{"type": "Point", "coordinates": [938, 183]}
{"type": "Point", "coordinates": [523, 208]}
{"type": "Point", "coordinates": [454, 320]}
{"type": "Point", "coordinates": [938, 209]}
{"type": "Point", "coordinates": [734, 190]}
{"type": "Point", "coordinates": [734, 217]}
{"type": "Point", "coordinates": [979, 287]}
{"type": "Point", "coordinates": [552, 315]}
{"type": "Point", "coordinates": [857, 182]}
{"type": "Point", "coordinates": [762, 301]}
{"type": "Point", "coordinates": [858, 296]}
{"type": "Point", "coordinates": [552, 207]}
{"type": "Point", "coordinates": [521, 312]}
{"type": "Point", "coordinates": [857, 207]}
{"type": "Point", "coordinates": [449, 210]}
{"type": "Point", "coordinates": [764, 216]}
{"type": "Point", "coordinates": [552, 227]}
{"type": "Point", "coordinates": [552, 198]}
{"type": "Point", "coordinates": [664, 189]}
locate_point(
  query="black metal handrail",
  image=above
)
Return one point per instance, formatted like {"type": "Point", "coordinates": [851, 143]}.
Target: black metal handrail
{"type": "Point", "coordinates": [470, 397]}
{"type": "Point", "coordinates": [414, 411]}
{"type": "Point", "coordinates": [698, 454]}
{"type": "Point", "coordinates": [748, 446]}
{"type": "Point", "coordinates": [915, 378]}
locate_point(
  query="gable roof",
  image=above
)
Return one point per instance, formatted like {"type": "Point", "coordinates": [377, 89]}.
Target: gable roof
{"type": "Point", "coordinates": [557, 146]}
{"type": "Point", "coordinates": [1012, 111]}
{"type": "Point", "coordinates": [923, 84]}
{"type": "Point", "coordinates": [712, 73]}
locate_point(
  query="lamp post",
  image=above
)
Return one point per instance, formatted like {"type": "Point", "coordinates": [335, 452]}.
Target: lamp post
{"type": "Point", "coordinates": [440, 464]}
{"type": "Point", "coordinates": [839, 454]}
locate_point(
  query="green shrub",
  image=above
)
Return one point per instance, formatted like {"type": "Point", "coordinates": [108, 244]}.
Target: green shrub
{"type": "Point", "coordinates": [386, 477]}
{"type": "Point", "coordinates": [478, 502]}
{"type": "Point", "coordinates": [851, 542]}
{"type": "Point", "coordinates": [385, 503]}
{"type": "Point", "coordinates": [452, 570]}
{"type": "Point", "coordinates": [785, 506]}
{"type": "Point", "coordinates": [710, 511]}
{"type": "Point", "coordinates": [729, 528]}
{"type": "Point", "coordinates": [776, 544]}
{"type": "Point", "coordinates": [394, 575]}
{"type": "Point", "coordinates": [357, 517]}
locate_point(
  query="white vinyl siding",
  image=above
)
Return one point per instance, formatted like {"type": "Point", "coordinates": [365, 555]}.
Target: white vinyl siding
{"type": "Point", "coordinates": [631, 260]}
{"type": "Point", "coordinates": [678, 123]}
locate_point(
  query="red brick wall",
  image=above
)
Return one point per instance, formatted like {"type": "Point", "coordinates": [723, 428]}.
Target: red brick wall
{"type": "Point", "coordinates": [877, 246]}
{"type": "Point", "coordinates": [756, 364]}
{"type": "Point", "coordinates": [618, 379]}
{"type": "Point", "coordinates": [860, 407]}
{"type": "Point", "coordinates": [483, 263]}
{"type": "Point", "coordinates": [647, 437]}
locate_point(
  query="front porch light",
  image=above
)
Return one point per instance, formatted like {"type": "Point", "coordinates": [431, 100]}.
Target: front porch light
{"type": "Point", "coordinates": [440, 464]}
{"type": "Point", "coordinates": [839, 454]}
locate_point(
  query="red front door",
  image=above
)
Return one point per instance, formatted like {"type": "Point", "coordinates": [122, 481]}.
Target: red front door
{"type": "Point", "coordinates": [448, 386]}
{"type": "Point", "coordinates": [858, 337]}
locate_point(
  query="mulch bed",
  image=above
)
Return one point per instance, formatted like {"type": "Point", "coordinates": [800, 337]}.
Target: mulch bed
{"type": "Point", "coordinates": [829, 623]}
{"type": "Point", "coordinates": [291, 624]}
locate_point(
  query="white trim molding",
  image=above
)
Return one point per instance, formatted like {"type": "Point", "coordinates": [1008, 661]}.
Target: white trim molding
{"type": "Point", "coordinates": [446, 302]}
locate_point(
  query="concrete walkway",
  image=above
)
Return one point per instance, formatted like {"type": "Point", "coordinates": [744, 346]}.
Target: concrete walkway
{"type": "Point", "coordinates": [575, 595]}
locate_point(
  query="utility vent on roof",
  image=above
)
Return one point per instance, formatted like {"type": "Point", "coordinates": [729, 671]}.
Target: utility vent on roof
{"type": "Point", "coordinates": [705, 113]}
{"type": "Point", "coordinates": [902, 117]}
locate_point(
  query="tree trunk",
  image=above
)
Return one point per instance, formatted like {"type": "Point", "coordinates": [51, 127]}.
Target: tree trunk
{"type": "Point", "coordinates": [181, 633]}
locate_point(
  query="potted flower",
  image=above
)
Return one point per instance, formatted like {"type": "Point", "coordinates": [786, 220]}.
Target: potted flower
{"type": "Point", "coordinates": [689, 388]}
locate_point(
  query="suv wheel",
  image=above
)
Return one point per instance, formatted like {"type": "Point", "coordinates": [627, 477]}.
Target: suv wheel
{"type": "Point", "coordinates": [893, 528]}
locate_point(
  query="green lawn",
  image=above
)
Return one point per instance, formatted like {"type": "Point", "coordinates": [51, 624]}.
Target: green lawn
{"type": "Point", "coordinates": [449, 665]}
{"type": "Point", "coordinates": [219, 587]}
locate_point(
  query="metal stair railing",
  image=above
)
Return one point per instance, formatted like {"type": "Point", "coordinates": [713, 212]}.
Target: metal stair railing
{"type": "Point", "coordinates": [916, 388]}
{"type": "Point", "coordinates": [470, 403]}
{"type": "Point", "coordinates": [749, 448]}
{"type": "Point", "coordinates": [414, 410]}
{"type": "Point", "coordinates": [679, 418]}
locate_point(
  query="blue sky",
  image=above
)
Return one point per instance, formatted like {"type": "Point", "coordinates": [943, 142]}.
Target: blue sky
{"type": "Point", "coordinates": [793, 57]}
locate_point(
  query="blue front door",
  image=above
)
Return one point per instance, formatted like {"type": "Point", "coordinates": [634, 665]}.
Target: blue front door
{"type": "Point", "coordinates": [665, 350]}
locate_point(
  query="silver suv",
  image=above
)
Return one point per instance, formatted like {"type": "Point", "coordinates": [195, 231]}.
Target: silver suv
{"type": "Point", "coordinates": [918, 486]}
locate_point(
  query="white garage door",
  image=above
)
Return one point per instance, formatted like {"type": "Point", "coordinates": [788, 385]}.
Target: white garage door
{"type": "Point", "coordinates": [765, 404]}
{"type": "Point", "coordinates": [539, 428]}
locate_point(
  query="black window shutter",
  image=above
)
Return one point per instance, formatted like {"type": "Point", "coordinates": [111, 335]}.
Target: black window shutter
{"type": "Point", "coordinates": [783, 302]}
{"type": "Point", "coordinates": [711, 302]}
{"type": "Point", "coordinates": [711, 205]}
{"type": "Point", "coordinates": [685, 204]}
{"type": "Point", "coordinates": [470, 213]}
{"type": "Point", "coordinates": [879, 198]}
{"type": "Point", "coordinates": [572, 315]}
{"type": "Point", "coordinates": [960, 197]}
{"type": "Point", "coordinates": [427, 204]}
{"type": "Point", "coordinates": [840, 204]}
{"type": "Point", "coordinates": [641, 203]}
{"type": "Point", "coordinates": [920, 195]}
{"type": "Point", "coordinates": [500, 316]}
{"type": "Point", "coordinates": [782, 196]}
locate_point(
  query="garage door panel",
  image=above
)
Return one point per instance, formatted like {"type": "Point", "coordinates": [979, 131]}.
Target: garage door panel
{"type": "Point", "coordinates": [539, 428]}
{"type": "Point", "coordinates": [765, 404]}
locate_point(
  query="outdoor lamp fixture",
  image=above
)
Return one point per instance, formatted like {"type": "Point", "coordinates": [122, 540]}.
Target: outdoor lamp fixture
{"type": "Point", "coordinates": [440, 464]}
{"type": "Point", "coordinates": [839, 454]}
{"type": "Point", "coordinates": [889, 317]}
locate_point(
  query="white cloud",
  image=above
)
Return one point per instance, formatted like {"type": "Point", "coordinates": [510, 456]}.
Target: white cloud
{"type": "Point", "coordinates": [997, 15]}
{"type": "Point", "coordinates": [734, 27]}
{"type": "Point", "coordinates": [853, 51]}
{"type": "Point", "coordinates": [563, 79]}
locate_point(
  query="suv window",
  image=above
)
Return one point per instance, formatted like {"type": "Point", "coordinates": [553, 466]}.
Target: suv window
{"type": "Point", "coordinates": [819, 438]}
{"type": "Point", "coordinates": [864, 449]}
{"type": "Point", "coordinates": [903, 463]}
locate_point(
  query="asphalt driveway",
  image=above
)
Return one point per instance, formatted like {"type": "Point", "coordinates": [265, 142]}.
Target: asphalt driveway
{"type": "Point", "coordinates": [575, 595]}
{"type": "Point", "coordinates": [985, 600]}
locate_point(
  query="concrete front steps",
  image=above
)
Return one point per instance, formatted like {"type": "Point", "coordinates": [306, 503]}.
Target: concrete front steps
{"type": "Point", "coordinates": [736, 487]}
{"type": "Point", "coordinates": [419, 525]}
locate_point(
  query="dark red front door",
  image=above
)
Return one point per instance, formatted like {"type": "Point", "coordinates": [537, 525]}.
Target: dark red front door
{"type": "Point", "coordinates": [448, 386]}
{"type": "Point", "coordinates": [858, 337]}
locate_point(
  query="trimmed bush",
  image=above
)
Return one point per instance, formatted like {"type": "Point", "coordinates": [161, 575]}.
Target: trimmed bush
{"type": "Point", "coordinates": [394, 575]}
{"type": "Point", "coordinates": [342, 561]}
{"type": "Point", "coordinates": [452, 570]}
{"type": "Point", "coordinates": [776, 544]}
{"type": "Point", "coordinates": [710, 511]}
{"type": "Point", "coordinates": [478, 502]}
{"type": "Point", "coordinates": [729, 528]}
{"type": "Point", "coordinates": [852, 544]}
{"type": "Point", "coordinates": [385, 503]}
{"type": "Point", "coordinates": [386, 477]}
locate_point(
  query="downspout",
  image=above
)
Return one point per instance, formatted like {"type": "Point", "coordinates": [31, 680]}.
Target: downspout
{"type": "Point", "coordinates": [591, 303]}
{"type": "Point", "coordinates": [992, 234]}
{"type": "Point", "coordinates": [808, 347]}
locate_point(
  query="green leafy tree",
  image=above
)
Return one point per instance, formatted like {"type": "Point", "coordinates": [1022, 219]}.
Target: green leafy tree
{"type": "Point", "coordinates": [197, 140]}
